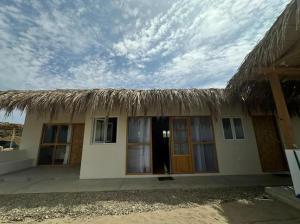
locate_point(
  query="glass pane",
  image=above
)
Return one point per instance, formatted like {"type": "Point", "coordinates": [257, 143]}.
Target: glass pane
{"type": "Point", "coordinates": [227, 128]}
{"type": "Point", "coordinates": [239, 132]}
{"type": "Point", "coordinates": [202, 129]}
{"type": "Point", "coordinates": [99, 132]}
{"type": "Point", "coordinates": [63, 134]}
{"type": "Point", "coordinates": [111, 134]}
{"type": "Point", "coordinates": [138, 159]}
{"type": "Point", "coordinates": [50, 134]}
{"type": "Point", "coordinates": [180, 130]}
{"type": "Point", "coordinates": [60, 155]}
{"type": "Point", "coordinates": [45, 155]}
{"type": "Point", "coordinates": [138, 130]}
{"type": "Point", "coordinates": [205, 158]}
{"type": "Point", "coordinates": [180, 136]}
{"type": "Point", "coordinates": [181, 149]}
{"type": "Point", "coordinates": [179, 123]}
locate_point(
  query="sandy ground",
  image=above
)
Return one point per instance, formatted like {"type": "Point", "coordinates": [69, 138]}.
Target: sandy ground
{"type": "Point", "coordinates": [235, 205]}
{"type": "Point", "coordinates": [238, 212]}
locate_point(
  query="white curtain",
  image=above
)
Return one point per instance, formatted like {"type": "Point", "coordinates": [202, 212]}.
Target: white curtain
{"type": "Point", "coordinates": [202, 129]}
{"type": "Point", "coordinates": [138, 155]}
{"type": "Point", "coordinates": [138, 130]}
{"type": "Point", "coordinates": [138, 159]}
{"type": "Point", "coordinates": [204, 154]}
{"type": "Point", "coordinates": [199, 157]}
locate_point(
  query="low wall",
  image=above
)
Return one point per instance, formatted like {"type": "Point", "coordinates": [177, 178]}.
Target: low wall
{"type": "Point", "coordinates": [14, 160]}
{"type": "Point", "coordinates": [293, 157]}
{"type": "Point", "coordinates": [13, 155]}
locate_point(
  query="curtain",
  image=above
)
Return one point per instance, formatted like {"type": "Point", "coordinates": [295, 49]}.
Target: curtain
{"type": "Point", "coordinates": [138, 154]}
{"type": "Point", "coordinates": [138, 159]}
{"type": "Point", "coordinates": [139, 130]}
{"type": "Point", "coordinates": [199, 157]}
{"type": "Point", "coordinates": [201, 129]}
{"type": "Point", "coordinates": [100, 129]}
{"type": "Point", "coordinates": [204, 152]}
{"type": "Point", "coordinates": [204, 157]}
{"type": "Point", "coordinates": [67, 155]}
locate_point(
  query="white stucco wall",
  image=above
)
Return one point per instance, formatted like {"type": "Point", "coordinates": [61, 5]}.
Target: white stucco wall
{"type": "Point", "coordinates": [109, 160]}
{"type": "Point", "coordinates": [32, 131]}
{"type": "Point", "coordinates": [11, 161]}
{"type": "Point", "coordinates": [104, 160]}
{"type": "Point", "coordinates": [296, 130]}
{"type": "Point", "coordinates": [237, 156]}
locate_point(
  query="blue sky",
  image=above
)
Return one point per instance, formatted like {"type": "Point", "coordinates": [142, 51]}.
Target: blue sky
{"type": "Point", "coordinates": [128, 44]}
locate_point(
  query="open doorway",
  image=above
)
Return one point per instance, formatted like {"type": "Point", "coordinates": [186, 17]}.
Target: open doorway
{"type": "Point", "coordinates": [160, 145]}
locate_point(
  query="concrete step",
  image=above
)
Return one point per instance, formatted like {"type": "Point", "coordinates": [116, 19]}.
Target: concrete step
{"type": "Point", "coordinates": [285, 195]}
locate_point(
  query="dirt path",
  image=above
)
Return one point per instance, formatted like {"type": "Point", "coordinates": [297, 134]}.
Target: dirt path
{"type": "Point", "coordinates": [239, 212]}
{"type": "Point", "coordinates": [234, 205]}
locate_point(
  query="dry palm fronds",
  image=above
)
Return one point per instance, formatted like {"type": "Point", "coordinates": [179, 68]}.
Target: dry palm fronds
{"type": "Point", "coordinates": [123, 100]}
{"type": "Point", "coordinates": [282, 36]}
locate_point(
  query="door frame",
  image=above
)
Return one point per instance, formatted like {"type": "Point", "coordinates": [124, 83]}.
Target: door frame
{"type": "Point", "coordinates": [171, 143]}
{"type": "Point", "coordinates": [279, 138]}
{"type": "Point", "coordinates": [129, 144]}
{"type": "Point", "coordinates": [71, 145]}
{"type": "Point", "coordinates": [191, 143]}
{"type": "Point", "coordinates": [67, 144]}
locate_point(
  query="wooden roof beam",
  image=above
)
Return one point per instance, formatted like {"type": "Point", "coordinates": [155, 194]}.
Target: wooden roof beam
{"type": "Point", "coordinates": [284, 120]}
{"type": "Point", "coordinates": [280, 71]}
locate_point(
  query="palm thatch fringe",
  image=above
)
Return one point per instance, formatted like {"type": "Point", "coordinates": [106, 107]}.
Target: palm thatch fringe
{"type": "Point", "coordinates": [268, 50]}
{"type": "Point", "coordinates": [123, 100]}
{"type": "Point", "coordinates": [260, 98]}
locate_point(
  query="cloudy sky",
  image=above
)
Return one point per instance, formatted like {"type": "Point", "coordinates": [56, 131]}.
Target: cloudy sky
{"type": "Point", "coordinates": [128, 44]}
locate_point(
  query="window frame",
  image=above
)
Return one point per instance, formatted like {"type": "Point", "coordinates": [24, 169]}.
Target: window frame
{"type": "Point", "coordinates": [212, 142]}
{"type": "Point", "coordinates": [128, 144]}
{"type": "Point", "coordinates": [56, 143]}
{"type": "Point", "coordinates": [231, 118]}
{"type": "Point", "coordinates": [105, 119]}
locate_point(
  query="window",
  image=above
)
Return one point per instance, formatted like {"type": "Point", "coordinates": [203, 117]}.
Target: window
{"type": "Point", "coordinates": [233, 128]}
{"type": "Point", "coordinates": [54, 145]}
{"type": "Point", "coordinates": [205, 157]}
{"type": "Point", "coordinates": [180, 136]}
{"type": "Point", "coordinates": [139, 145]}
{"type": "Point", "coordinates": [105, 130]}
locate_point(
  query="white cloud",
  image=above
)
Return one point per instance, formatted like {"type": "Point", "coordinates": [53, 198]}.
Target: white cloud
{"type": "Point", "coordinates": [133, 44]}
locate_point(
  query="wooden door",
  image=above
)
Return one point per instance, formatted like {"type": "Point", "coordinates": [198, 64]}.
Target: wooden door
{"type": "Point", "coordinates": [269, 145]}
{"type": "Point", "coordinates": [76, 144]}
{"type": "Point", "coordinates": [182, 161]}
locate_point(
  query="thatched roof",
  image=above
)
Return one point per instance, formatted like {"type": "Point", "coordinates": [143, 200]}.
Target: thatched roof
{"type": "Point", "coordinates": [279, 49]}
{"type": "Point", "coordinates": [9, 126]}
{"type": "Point", "coordinates": [127, 100]}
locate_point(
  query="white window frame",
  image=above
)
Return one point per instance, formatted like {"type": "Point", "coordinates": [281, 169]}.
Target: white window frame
{"type": "Point", "coordinates": [233, 128]}
{"type": "Point", "coordinates": [105, 119]}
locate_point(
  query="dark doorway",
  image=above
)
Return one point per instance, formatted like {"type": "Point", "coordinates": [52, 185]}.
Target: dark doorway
{"type": "Point", "coordinates": [160, 145]}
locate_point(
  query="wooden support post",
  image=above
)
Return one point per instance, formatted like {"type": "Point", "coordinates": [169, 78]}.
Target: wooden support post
{"type": "Point", "coordinates": [285, 124]}
{"type": "Point", "coordinates": [12, 138]}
